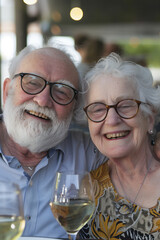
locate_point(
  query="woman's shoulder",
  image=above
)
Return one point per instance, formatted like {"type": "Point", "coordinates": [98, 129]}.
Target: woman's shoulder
{"type": "Point", "coordinates": [101, 180]}
{"type": "Point", "coordinates": [101, 174]}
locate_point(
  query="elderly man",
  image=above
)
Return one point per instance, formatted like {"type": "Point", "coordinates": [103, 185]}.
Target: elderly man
{"type": "Point", "coordinates": [40, 98]}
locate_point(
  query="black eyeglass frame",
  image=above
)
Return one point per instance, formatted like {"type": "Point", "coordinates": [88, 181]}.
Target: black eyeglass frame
{"type": "Point", "coordinates": [115, 107]}
{"type": "Point", "coordinates": [75, 96]}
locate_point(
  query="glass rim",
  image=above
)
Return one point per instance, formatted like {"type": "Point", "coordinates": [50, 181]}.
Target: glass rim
{"type": "Point", "coordinates": [73, 172]}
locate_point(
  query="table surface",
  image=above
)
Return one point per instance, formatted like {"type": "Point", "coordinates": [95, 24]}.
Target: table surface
{"type": "Point", "coordinates": [39, 238]}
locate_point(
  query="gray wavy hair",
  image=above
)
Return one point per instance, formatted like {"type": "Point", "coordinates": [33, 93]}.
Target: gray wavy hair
{"type": "Point", "coordinates": [114, 66]}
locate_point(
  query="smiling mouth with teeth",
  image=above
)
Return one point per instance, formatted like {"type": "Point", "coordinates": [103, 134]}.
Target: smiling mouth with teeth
{"type": "Point", "coordinates": [37, 114]}
{"type": "Point", "coordinates": [117, 135]}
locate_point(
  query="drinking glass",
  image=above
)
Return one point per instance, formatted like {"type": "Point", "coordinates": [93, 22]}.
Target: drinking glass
{"type": "Point", "coordinates": [11, 211]}
{"type": "Point", "coordinates": [73, 201]}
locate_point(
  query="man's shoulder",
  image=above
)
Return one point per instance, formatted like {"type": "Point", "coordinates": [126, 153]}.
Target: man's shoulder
{"type": "Point", "coordinates": [80, 136]}
{"type": "Point", "coordinates": [79, 132]}
{"type": "Point", "coordinates": [78, 145]}
{"type": "Point", "coordinates": [76, 138]}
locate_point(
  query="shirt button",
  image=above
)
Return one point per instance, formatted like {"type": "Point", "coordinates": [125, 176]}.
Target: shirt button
{"type": "Point", "coordinates": [95, 149]}
{"type": "Point", "coordinates": [28, 218]}
{"type": "Point", "coordinates": [31, 183]}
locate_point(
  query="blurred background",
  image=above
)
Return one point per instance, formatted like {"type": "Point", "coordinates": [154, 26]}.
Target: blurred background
{"type": "Point", "coordinates": [130, 27]}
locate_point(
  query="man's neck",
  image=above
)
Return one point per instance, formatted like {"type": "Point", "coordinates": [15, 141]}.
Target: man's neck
{"type": "Point", "coordinates": [11, 148]}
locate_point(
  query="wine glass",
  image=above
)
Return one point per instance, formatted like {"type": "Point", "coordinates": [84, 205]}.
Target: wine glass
{"type": "Point", "coordinates": [73, 202]}
{"type": "Point", "coordinates": [11, 211]}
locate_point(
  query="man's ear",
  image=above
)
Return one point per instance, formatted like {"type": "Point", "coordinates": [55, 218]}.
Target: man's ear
{"type": "Point", "coordinates": [6, 89]}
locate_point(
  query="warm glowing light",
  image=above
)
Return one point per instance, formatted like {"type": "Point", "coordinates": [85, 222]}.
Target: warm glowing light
{"type": "Point", "coordinates": [56, 16]}
{"type": "Point", "coordinates": [30, 2]}
{"type": "Point", "coordinates": [56, 30]}
{"type": "Point", "coordinates": [76, 13]}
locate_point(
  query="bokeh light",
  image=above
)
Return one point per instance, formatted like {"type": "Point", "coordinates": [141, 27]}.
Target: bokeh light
{"type": "Point", "coordinates": [76, 13]}
{"type": "Point", "coordinates": [30, 2]}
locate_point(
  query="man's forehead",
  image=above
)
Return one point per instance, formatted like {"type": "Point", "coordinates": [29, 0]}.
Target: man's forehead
{"type": "Point", "coordinates": [44, 58]}
{"type": "Point", "coordinates": [51, 53]}
{"type": "Point", "coordinates": [51, 65]}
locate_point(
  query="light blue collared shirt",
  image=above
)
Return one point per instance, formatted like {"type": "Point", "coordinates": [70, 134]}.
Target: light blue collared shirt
{"type": "Point", "coordinates": [75, 152]}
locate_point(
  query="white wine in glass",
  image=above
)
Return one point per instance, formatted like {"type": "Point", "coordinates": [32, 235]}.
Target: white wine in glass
{"type": "Point", "coordinates": [11, 211]}
{"type": "Point", "coordinates": [73, 201]}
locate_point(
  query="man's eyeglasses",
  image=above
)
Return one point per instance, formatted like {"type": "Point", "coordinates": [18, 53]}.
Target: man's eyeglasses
{"type": "Point", "coordinates": [61, 93]}
{"type": "Point", "coordinates": [127, 109]}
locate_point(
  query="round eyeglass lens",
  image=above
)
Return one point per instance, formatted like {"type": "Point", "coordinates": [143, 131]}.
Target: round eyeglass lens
{"type": "Point", "coordinates": [97, 111]}
{"type": "Point", "coordinates": [32, 84]}
{"type": "Point", "coordinates": [127, 108]}
{"type": "Point", "coordinates": [62, 94]}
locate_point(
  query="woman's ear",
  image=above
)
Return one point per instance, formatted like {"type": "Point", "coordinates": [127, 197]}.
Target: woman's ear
{"type": "Point", "coordinates": [151, 121]}
{"type": "Point", "coordinates": [6, 89]}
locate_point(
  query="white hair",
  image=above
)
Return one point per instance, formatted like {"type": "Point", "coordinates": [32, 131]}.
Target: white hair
{"type": "Point", "coordinates": [114, 66]}
{"type": "Point", "coordinates": [16, 61]}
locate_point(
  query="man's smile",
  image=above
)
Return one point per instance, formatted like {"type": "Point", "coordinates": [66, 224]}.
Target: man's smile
{"type": "Point", "coordinates": [37, 114]}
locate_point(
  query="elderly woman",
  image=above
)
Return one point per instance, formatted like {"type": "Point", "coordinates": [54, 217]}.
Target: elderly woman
{"type": "Point", "coordinates": [121, 105]}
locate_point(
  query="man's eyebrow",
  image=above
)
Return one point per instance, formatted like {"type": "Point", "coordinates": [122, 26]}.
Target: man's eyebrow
{"type": "Point", "coordinates": [66, 82]}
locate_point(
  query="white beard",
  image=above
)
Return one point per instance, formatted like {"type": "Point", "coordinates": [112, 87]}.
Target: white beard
{"type": "Point", "coordinates": [30, 133]}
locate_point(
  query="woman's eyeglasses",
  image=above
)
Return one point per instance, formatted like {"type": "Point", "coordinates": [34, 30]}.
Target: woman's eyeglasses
{"type": "Point", "coordinates": [127, 108]}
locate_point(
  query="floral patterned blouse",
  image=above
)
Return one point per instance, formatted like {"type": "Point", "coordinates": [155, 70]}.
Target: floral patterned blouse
{"type": "Point", "coordinates": [116, 217]}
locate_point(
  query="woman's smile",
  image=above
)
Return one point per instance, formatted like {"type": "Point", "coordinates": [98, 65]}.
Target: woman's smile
{"type": "Point", "coordinates": [117, 135]}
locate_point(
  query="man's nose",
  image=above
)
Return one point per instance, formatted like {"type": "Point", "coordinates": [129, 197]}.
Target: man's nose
{"type": "Point", "coordinates": [43, 98]}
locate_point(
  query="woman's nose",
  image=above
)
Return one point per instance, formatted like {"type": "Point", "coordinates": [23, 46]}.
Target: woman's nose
{"type": "Point", "coordinates": [112, 117]}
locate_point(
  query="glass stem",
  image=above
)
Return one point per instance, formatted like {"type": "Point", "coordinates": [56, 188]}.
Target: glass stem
{"type": "Point", "coordinates": [72, 236]}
